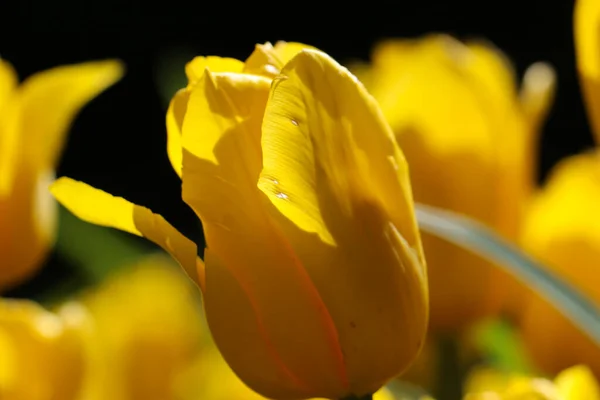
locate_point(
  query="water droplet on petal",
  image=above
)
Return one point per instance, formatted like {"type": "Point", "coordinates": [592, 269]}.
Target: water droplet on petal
{"type": "Point", "coordinates": [295, 122]}
{"type": "Point", "coordinates": [281, 195]}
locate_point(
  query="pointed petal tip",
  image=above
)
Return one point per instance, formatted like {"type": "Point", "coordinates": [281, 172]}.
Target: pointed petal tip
{"type": "Point", "coordinates": [540, 77]}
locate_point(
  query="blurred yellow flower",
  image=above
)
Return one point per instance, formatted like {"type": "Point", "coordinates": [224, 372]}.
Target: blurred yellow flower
{"type": "Point", "coordinates": [469, 139]}
{"type": "Point", "coordinates": [144, 332]}
{"type": "Point", "coordinates": [575, 383]}
{"type": "Point", "coordinates": [562, 229]}
{"type": "Point", "coordinates": [133, 338]}
{"type": "Point", "coordinates": [40, 354]}
{"type": "Point", "coordinates": [34, 119]}
{"type": "Point", "coordinates": [587, 47]}
{"type": "Point", "coordinates": [315, 279]}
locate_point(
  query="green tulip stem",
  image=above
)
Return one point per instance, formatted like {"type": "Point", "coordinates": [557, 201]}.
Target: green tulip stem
{"type": "Point", "coordinates": [451, 373]}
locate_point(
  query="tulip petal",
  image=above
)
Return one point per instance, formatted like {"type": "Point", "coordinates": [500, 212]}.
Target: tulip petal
{"type": "Point", "coordinates": [178, 105]}
{"type": "Point", "coordinates": [195, 68]}
{"type": "Point", "coordinates": [8, 137]}
{"type": "Point", "coordinates": [577, 383]}
{"type": "Point", "coordinates": [561, 212]}
{"type": "Point", "coordinates": [340, 190]}
{"type": "Point", "coordinates": [537, 92]}
{"type": "Point", "coordinates": [587, 48]}
{"type": "Point", "coordinates": [97, 207]}
{"type": "Point", "coordinates": [44, 345]}
{"type": "Point", "coordinates": [8, 82]}
{"type": "Point", "coordinates": [322, 124]}
{"type": "Point", "coordinates": [51, 99]}
{"type": "Point", "coordinates": [267, 60]}
{"type": "Point", "coordinates": [236, 327]}
{"type": "Point", "coordinates": [175, 115]}
{"type": "Point", "coordinates": [514, 135]}
{"type": "Point", "coordinates": [221, 165]}
{"type": "Point", "coordinates": [47, 104]}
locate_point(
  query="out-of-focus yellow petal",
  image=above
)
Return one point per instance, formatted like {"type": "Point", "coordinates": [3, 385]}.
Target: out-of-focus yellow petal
{"type": "Point", "coordinates": [268, 60]}
{"type": "Point", "coordinates": [9, 112]}
{"type": "Point", "coordinates": [537, 92]}
{"type": "Point", "coordinates": [383, 394]}
{"type": "Point", "coordinates": [484, 379]}
{"type": "Point", "coordinates": [8, 83]}
{"type": "Point", "coordinates": [455, 146]}
{"type": "Point", "coordinates": [28, 216]}
{"type": "Point", "coordinates": [514, 124]}
{"type": "Point", "coordinates": [561, 229]}
{"type": "Point", "coordinates": [577, 383]}
{"type": "Point", "coordinates": [147, 331]}
{"type": "Point", "coordinates": [443, 138]}
{"type": "Point", "coordinates": [525, 388]}
{"type": "Point", "coordinates": [565, 210]}
{"type": "Point", "coordinates": [260, 288]}
{"type": "Point", "coordinates": [100, 208]}
{"type": "Point", "coordinates": [175, 115]}
{"type": "Point", "coordinates": [195, 68]}
{"type": "Point", "coordinates": [34, 120]}
{"type": "Point", "coordinates": [492, 81]}
{"type": "Point", "coordinates": [587, 48]}
{"type": "Point", "coordinates": [47, 104]}
{"type": "Point", "coordinates": [340, 189]}
{"type": "Point", "coordinates": [40, 354]}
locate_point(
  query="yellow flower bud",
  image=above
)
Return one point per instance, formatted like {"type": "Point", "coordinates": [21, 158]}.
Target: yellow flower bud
{"type": "Point", "coordinates": [34, 120]}
{"type": "Point", "coordinates": [314, 280]}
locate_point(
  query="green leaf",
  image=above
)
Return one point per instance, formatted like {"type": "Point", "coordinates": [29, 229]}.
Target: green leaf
{"type": "Point", "coordinates": [475, 237]}
{"type": "Point", "coordinates": [96, 250]}
{"type": "Point", "coordinates": [500, 344]}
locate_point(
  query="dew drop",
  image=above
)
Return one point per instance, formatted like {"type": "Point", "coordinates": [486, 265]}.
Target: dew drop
{"type": "Point", "coordinates": [295, 122]}
{"type": "Point", "coordinates": [281, 195]}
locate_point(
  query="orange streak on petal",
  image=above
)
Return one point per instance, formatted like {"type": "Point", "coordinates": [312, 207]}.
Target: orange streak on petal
{"type": "Point", "coordinates": [326, 320]}
{"type": "Point", "coordinates": [269, 343]}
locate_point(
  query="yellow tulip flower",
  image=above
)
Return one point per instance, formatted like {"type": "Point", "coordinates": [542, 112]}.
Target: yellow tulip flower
{"type": "Point", "coordinates": [315, 281]}
{"type": "Point", "coordinates": [34, 119]}
{"type": "Point", "coordinates": [575, 383]}
{"type": "Point", "coordinates": [40, 353]}
{"type": "Point", "coordinates": [562, 226]}
{"type": "Point", "coordinates": [144, 332]}
{"type": "Point", "coordinates": [587, 44]}
{"type": "Point", "coordinates": [562, 229]}
{"type": "Point", "coordinates": [469, 139]}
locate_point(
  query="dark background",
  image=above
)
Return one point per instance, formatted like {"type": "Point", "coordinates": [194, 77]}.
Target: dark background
{"type": "Point", "coordinates": [118, 141]}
